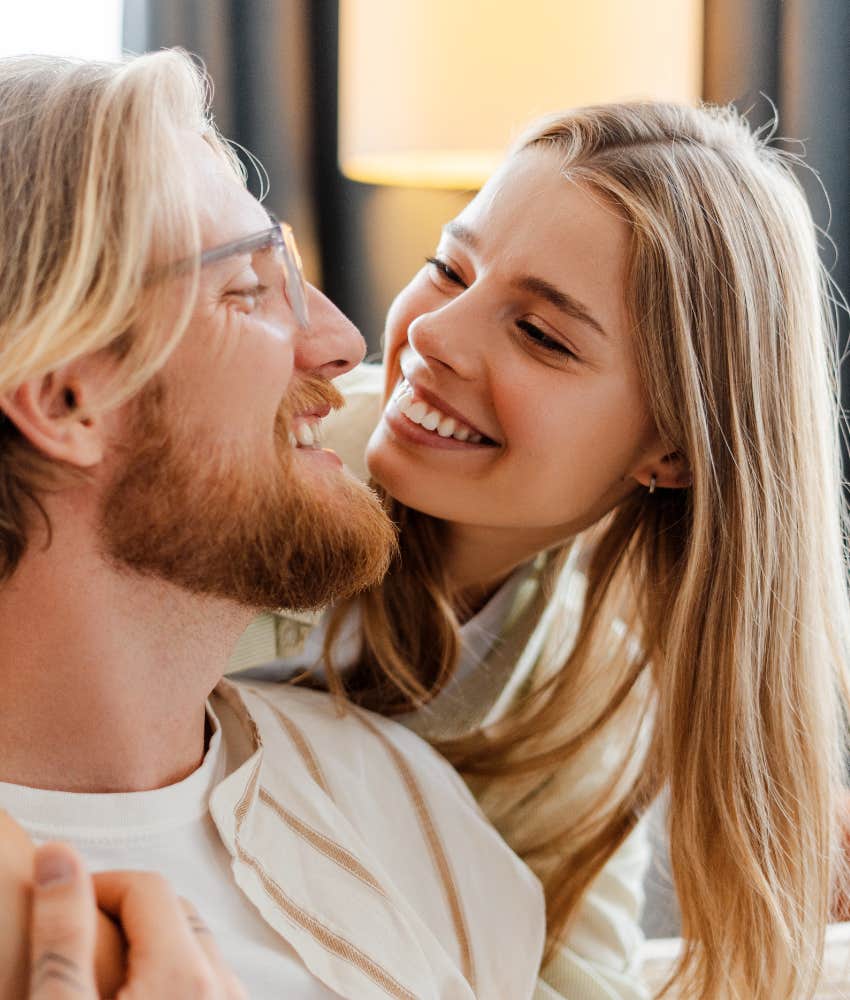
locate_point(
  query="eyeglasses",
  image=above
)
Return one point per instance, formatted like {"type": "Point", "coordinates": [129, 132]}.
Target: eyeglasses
{"type": "Point", "coordinates": [280, 238]}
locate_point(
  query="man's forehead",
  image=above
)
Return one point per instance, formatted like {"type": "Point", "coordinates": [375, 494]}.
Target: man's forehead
{"type": "Point", "coordinates": [227, 211]}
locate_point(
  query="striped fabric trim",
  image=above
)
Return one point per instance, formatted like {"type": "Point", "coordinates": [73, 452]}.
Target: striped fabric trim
{"type": "Point", "coordinates": [233, 697]}
{"type": "Point", "coordinates": [324, 845]}
{"type": "Point", "coordinates": [323, 935]}
{"type": "Point", "coordinates": [246, 798]}
{"type": "Point", "coordinates": [301, 743]}
{"type": "Point", "coordinates": [435, 846]}
{"type": "Point", "coordinates": [328, 939]}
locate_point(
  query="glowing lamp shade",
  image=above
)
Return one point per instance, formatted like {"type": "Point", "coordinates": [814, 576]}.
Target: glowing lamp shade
{"type": "Point", "coordinates": [432, 91]}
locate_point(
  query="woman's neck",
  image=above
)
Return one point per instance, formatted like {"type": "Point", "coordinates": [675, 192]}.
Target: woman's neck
{"type": "Point", "coordinates": [480, 559]}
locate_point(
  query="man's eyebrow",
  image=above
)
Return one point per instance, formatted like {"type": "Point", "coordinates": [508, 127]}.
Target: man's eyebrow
{"type": "Point", "coordinates": [566, 303]}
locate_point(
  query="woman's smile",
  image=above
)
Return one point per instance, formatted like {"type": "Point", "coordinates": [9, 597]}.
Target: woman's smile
{"type": "Point", "coordinates": [419, 421]}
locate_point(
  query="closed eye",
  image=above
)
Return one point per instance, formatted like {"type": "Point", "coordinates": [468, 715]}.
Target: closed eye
{"type": "Point", "coordinates": [254, 291]}
{"type": "Point", "coordinates": [540, 339]}
{"type": "Point", "coordinates": [445, 271]}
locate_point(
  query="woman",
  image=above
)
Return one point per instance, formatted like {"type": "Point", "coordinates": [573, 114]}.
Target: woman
{"type": "Point", "coordinates": [610, 436]}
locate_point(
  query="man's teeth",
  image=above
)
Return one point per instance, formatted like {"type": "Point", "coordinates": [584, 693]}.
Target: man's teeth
{"type": "Point", "coordinates": [431, 419]}
{"type": "Point", "coordinates": [305, 433]}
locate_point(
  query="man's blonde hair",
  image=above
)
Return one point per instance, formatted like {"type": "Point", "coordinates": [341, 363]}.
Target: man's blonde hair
{"type": "Point", "coordinates": [92, 196]}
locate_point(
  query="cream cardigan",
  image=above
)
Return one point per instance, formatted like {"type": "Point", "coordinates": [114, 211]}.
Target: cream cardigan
{"type": "Point", "coordinates": [600, 957]}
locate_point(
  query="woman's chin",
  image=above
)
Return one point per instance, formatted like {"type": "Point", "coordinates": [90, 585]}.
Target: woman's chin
{"type": "Point", "coordinates": [385, 468]}
{"type": "Point", "coordinates": [394, 473]}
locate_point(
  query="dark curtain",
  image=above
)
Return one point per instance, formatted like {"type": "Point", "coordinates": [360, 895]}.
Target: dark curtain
{"type": "Point", "coordinates": [259, 55]}
{"type": "Point", "coordinates": [794, 54]}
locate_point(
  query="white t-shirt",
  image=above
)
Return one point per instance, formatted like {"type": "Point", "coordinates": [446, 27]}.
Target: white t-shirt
{"type": "Point", "coordinates": [169, 830]}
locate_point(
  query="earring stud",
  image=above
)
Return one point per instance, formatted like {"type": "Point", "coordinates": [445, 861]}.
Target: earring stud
{"type": "Point", "coordinates": [652, 481]}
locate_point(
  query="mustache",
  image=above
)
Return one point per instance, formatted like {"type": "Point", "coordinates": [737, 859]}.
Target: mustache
{"type": "Point", "coordinates": [309, 392]}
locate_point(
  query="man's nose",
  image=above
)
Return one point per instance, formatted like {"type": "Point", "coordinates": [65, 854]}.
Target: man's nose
{"type": "Point", "coordinates": [331, 345]}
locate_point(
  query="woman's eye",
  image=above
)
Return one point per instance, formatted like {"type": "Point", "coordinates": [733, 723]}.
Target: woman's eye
{"type": "Point", "coordinates": [445, 271]}
{"type": "Point", "coordinates": [537, 336]}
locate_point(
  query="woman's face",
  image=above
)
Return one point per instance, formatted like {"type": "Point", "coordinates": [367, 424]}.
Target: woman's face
{"type": "Point", "coordinates": [516, 401]}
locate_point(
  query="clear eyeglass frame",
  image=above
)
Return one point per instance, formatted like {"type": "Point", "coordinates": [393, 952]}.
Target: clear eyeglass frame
{"type": "Point", "coordinates": [280, 236]}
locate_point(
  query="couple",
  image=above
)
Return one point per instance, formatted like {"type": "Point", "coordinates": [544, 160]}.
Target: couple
{"type": "Point", "coordinates": [607, 433]}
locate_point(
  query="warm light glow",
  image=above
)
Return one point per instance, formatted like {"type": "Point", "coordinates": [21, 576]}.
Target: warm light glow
{"type": "Point", "coordinates": [432, 91]}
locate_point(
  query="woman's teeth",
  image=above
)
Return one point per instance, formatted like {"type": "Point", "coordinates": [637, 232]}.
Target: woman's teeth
{"type": "Point", "coordinates": [431, 419]}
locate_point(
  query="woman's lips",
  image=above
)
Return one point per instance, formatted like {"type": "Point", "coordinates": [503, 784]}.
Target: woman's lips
{"type": "Point", "coordinates": [424, 407]}
{"type": "Point", "coordinates": [414, 419]}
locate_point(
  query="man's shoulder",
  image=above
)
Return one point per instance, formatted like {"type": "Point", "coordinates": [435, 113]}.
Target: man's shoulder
{"type": "Point", "coordinates": [408, 817]}
{"type": "Point", "coordinates": [322, 729]}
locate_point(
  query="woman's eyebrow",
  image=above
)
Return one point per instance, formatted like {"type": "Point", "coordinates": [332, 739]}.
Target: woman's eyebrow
{"type": "Point", "coordinates": [530, 283]}
{"type": "Point", "coordinates": [561, 300]}
{"type": "Point", "coordinates": [463, 234]}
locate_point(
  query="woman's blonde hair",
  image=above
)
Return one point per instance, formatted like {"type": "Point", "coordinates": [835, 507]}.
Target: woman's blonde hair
{"type": "Point", "coordinates": [92, 196]}
{"type": "Point", "coordinates": [730, 682]}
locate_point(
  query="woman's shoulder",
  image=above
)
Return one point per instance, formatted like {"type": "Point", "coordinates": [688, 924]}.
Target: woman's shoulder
{"type": "Point", "coordinates": [346, 431]}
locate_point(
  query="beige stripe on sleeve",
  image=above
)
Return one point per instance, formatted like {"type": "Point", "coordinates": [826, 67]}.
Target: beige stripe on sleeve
{"type": "Point", "coordinates": [324, 845]}
{"type": "Point", "coordinates": [301, 743]}
{"type": "Point", "coordinates": [328, 939]}
{"type": "Point", "coordinates": [435, 846]}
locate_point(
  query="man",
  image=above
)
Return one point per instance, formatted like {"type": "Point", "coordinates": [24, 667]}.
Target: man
{"type": "Point", "coordinates": [163, 371]}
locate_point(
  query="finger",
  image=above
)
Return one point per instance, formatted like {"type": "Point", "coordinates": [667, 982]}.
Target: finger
{"type": "Point", "coordinates": [165, 958]}
{"type": "Point", "coordinates": [17, 857]}
{"type": "Point", "coordinates": [62, 927]}
{"type": "Point", "coordinates": [231, 986]}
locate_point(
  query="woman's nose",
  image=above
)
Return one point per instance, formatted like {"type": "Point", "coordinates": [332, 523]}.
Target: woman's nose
{"type": "Point", "coordinates": [448, 338]}
{"type": "Point", "coordinates": [331, 345]}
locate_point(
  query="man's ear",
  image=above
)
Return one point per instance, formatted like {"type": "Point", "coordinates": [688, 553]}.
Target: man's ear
{"type": "Point", "coordinates": [670, 470]}
{"type": "Point", "coordinates": [54, 414]}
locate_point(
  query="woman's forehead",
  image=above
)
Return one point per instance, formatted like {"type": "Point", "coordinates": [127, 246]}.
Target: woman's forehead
{"type": "Point", "coordinates": [531, 193]}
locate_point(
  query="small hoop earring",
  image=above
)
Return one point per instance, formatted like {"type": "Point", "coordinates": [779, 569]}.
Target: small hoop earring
{"type": "Point", "coordinates": [652, 481]}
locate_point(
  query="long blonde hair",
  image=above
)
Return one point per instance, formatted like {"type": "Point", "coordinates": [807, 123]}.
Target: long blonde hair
{"type": "Point", "coordinates": [731, 678]}
{"type": "Point", "coordinates": [92, 196]}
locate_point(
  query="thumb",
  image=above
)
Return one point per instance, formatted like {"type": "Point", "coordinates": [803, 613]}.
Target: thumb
{"type": "Point", "coordinates": [62, 927]}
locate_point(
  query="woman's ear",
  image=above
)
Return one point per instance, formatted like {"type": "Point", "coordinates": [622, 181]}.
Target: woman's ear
{"type": "Point", "coordinates": [54, 415]}
{"type": "Point", "coordinates": [670, 471]}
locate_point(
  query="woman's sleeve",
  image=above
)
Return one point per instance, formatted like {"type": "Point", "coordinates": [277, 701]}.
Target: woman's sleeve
{"type": "Point", "coordinates": [600, 958]}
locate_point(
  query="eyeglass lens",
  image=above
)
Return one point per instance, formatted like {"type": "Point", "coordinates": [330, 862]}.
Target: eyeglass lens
{"type": "Point", "coordinates": [296, 286]}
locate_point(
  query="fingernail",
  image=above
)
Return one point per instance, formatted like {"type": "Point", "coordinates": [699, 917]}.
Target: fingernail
{"type": "Point", "coordinates": [52, 865]}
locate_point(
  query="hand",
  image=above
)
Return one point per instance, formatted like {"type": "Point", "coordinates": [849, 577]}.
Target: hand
{"type": "Point", "coordinates": [171, 954]}
{"type": "Point", "coordinates": [62, 927]}
{"type": "Point", "coordinates": [17, 860]}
